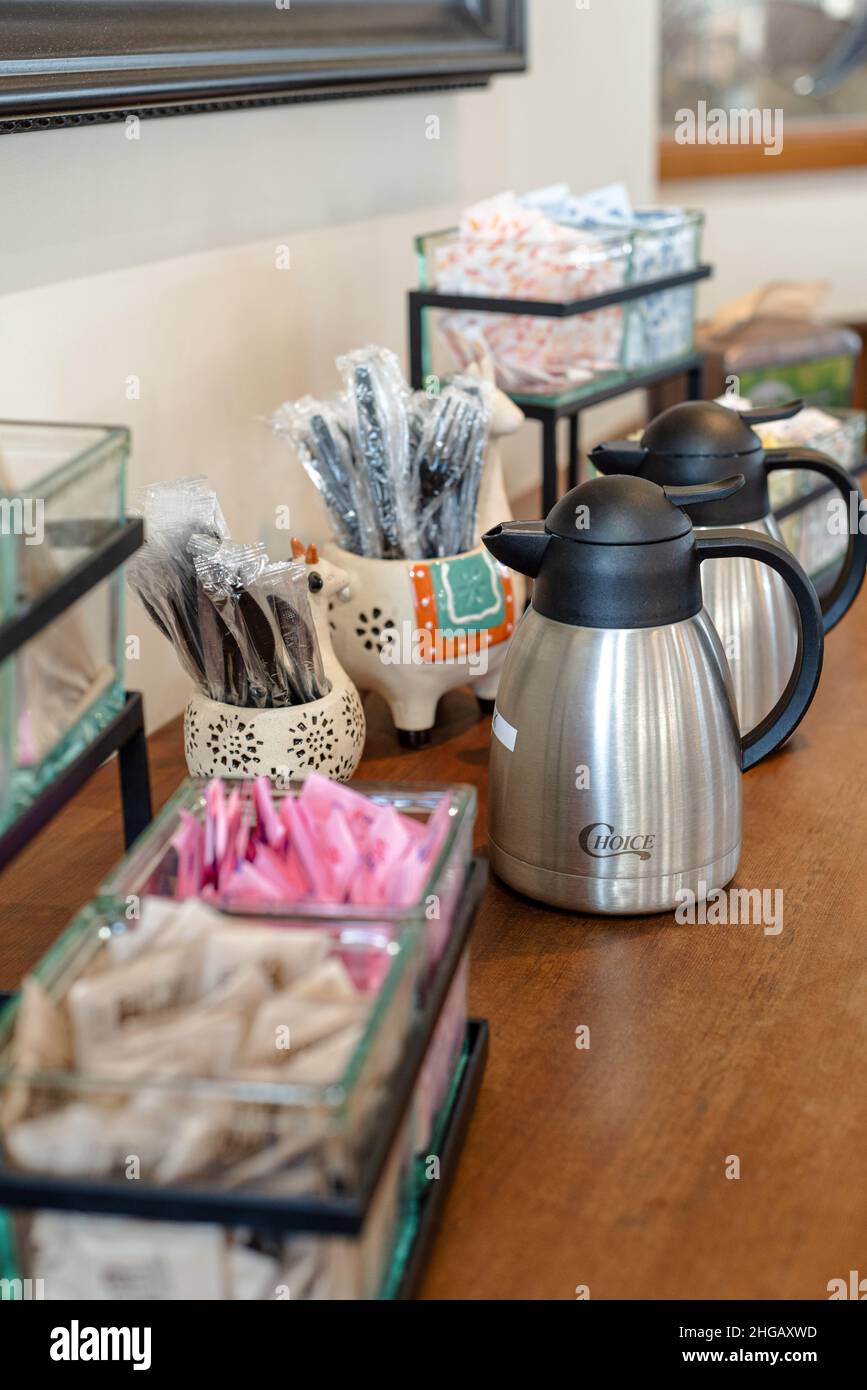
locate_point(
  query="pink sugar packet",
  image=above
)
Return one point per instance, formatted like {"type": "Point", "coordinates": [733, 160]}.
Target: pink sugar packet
{"type": "Point", "coordinates": [305, 843]}
{"type": "Point", "coordinates": [386, 845]}
{"type": "Point", "coordinates": [188, 843]}
{"type": "Point", "coordinates": [220, 813]}
{"type": "Point", "coordinates": [339, 853]}
{"type": "Point", "coordinates": [234, 819]}
{"type": "Point", "coordinates": [408, 882]}
{"type": "Point", "coordinates": [269, 826]}
{"type": "Point", "coordinates": [319, 796]}
{"type": "Point", "coordinates": [281, 873]}
{"type": "Point", "coordinates": [244, 846]}
{"type": "Point", "coordinates": [249, 886]}
{"type": "Point", "coordinates": [215, 829]}
{"type": "Point", "coordinates": [363, 888]}
{"type": "Point", "coordinates": [297, 874]}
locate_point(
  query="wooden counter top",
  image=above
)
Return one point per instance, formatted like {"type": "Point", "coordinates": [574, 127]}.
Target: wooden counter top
{"type": "Point", "coordinates": [607, 1167]}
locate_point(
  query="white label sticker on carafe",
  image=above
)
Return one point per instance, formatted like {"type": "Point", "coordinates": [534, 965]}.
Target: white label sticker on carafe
{"type": "Point", "coordinates": [504, 731]}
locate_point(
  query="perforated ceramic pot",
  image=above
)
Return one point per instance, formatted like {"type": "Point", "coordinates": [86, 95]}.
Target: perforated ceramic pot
{"type": "Point", "coordinates": [324, 736]}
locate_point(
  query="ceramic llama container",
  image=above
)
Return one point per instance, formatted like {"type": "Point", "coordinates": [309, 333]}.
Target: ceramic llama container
{"type": "Point", "coordinates": [324, 735]}
{"type": "Point", "coordinates": [506, 418]}
{"type": "Point", "coordinates": [415, 629]}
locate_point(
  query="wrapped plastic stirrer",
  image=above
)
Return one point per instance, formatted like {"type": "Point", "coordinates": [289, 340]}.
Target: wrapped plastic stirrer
{"type": "Point", "coordinates": [242, 627]}
{"type": "Point", "coordinates": [399, 471]}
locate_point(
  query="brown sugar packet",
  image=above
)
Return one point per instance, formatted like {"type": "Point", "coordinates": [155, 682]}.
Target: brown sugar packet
{"type": "Point", "coordinates": [199, 1039]}
{"type": "Point", "coordinates": [202, 1045]}
{"type": "Point", "coordinates": [154, 981]}
{"type": "Point", "coordinates": [285, 1024]}
{"type": "Point", "coordinates": [84, 1138]}
{"type": "Point", "coordinates": [329, 982]}
{"type": "Point", "coordinates": [287, 1165]}
{"type": "Point", "coordinates": [166, 1139]}
{"type": "Point", "coordinates": [121, 1258]}
{"type": "Point", "coordinates": [284, 953]}
{"type": "Point", "coordinates": [155, 915]}
{"type": "Point", "coordinates": [323, 1063]}
{"type": "Point", "coordinates": [208, 1140]}
{"type": "Point", "coordinates": [41, 1042]}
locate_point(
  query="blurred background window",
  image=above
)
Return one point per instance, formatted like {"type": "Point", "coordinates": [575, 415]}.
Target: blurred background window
{"type": "Point", "coordinates": [807, 58]}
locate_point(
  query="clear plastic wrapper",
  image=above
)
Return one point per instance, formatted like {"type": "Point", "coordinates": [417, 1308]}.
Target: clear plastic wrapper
{"type": "Point", "coordinates": [219, 590]}
{"type": "Point", "coordinates": [399, 471]}
{"type": "Point", "coordinates": [241, 626]}
{"type": "Point", "coordinates": [282, 589]}
{"type": "Point", "coordinates": [225, 670]}
{"type": "Point", "coordinates": [378, 396]}
{"type": "Point", "coordinates": [448, 435]}
{"type": "Point", "coordinates": [158, 586]}
{"type": "Point", "coordinates": [229, 577]}
{"type": "Point", "coordinates": [163, 572]}
{"type": "Point", "coordinates": [319, 431]}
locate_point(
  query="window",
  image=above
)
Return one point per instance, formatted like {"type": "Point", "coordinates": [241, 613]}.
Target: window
{"type": "Point", "coordinates": [762, 86]}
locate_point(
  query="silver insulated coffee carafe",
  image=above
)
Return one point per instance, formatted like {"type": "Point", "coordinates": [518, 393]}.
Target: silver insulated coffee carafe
{"type": "Point", "coordinates": [616, 759]}
{"type": "Point", "coordinates": [751, 607]}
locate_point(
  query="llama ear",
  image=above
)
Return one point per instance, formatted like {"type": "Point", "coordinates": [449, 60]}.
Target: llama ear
{"type": "Point", "coordinates": [297, 548]}
{"type": "Point", "coordinates": [312, 555]}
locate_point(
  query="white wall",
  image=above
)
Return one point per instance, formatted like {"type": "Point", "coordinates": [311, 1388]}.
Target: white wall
{"type": "Point", "coordinates": [156, 258]}
{"type": "Point", "coordinates": [806, 226]}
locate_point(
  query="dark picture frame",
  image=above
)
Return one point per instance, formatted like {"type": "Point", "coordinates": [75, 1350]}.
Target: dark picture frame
{"type": "Point", "coordinates": [87, 61]}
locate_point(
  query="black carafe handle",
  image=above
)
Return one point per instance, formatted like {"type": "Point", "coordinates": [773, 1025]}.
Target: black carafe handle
{"type": "Point", "coordinates": [795, 700]}
{"type": "Point", "coordinates": [851, 576]}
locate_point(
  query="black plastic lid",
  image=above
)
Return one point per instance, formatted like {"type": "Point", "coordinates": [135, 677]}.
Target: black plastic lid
{"type": "Point", "coordinates": [614, 552]}
{"type": "Point", "coordinates": [700, 442]}
{"type": "Point", "coordinates": [698, 429]}
{"type": "Point", "coordinates": [619, 510]}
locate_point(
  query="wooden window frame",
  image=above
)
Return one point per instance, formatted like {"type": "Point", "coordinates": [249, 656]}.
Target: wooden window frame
{"type": "Point", "coordinates": [807, 145]}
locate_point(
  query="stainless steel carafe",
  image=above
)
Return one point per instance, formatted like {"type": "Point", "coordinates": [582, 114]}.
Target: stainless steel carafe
{"type": "Point", "coordinates": [751, 608]}
{"type": "Point", "coordinates": [616, 759]}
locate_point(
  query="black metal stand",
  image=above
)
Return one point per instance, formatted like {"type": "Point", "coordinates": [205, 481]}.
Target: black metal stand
{"type": "Point", "coordinates": [108, 547]}
{"type": "Point", "coordinates": [797, 504]}
{"type": "Point", "coordinates": [571, 409]}
{"type": "Point", "coordinates": [125, 736]}
{"type": "Point", "coordinates": [571, 404]}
